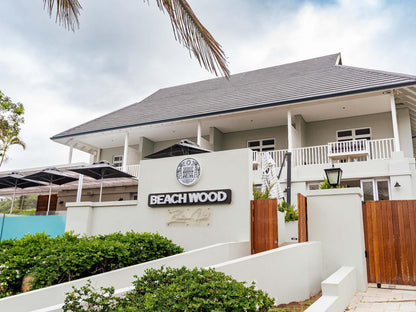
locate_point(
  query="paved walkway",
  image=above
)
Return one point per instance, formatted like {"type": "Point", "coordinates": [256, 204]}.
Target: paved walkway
{"type": "Point", "coordinates": [389, 298]}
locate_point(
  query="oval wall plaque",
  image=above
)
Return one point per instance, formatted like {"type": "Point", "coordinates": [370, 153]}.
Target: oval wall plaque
{"type": "Point", "coordinates": [188, 172]}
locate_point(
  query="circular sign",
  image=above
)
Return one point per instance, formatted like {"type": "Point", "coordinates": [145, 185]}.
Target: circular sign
{"type": "Point", "coordinates": [188, 172]}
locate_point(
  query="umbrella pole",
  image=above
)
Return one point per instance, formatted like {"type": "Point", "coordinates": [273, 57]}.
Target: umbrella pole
{"type": "Point", "coordinates": [14, 195]}
{"type": "Point", "coordinates": [101, 188]}
{"type": "Point", "coordinates": [49, 199]}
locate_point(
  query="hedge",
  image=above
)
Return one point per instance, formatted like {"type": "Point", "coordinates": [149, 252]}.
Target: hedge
{"type": "Point", "coordinates": [49, 261]}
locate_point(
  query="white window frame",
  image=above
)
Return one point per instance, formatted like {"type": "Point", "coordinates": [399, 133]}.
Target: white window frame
{"type": "Point", "coordinates": [314, 185]}
{"type": "Point", "coordinates": [118, 163]}
{"type": "Point", "coordinates": [354, 136]}
{"type": "Point", "coordinates": [375, 189]}
{"type": "Point", "coordinates": [260, 147]}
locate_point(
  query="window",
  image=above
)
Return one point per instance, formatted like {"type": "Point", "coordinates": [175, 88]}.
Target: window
{"type": "Point", "coordinates": [261, 145]}
{"type": "Point", "coordinates": [375, 189]}
{"type": "Point", "coordinates": [118, 161]}
{"type": "Point", "coordinates": [313, 186]}
{"type": "Point", "coordinates": [354, 134]}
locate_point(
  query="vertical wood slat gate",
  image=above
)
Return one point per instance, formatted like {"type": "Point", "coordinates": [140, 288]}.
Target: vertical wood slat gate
{"type": "Point", "coordinates": [42, 203]}
{"type": "Point", "coordinates": [390, 241]}
{"type": "Point", "coordinates": [263, 225]}
{"type": "Point", "coordinates": [302, 219]}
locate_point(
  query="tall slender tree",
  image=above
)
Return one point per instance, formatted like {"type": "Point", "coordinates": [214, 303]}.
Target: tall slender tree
{"type": "Point", "coordinates": [187, 28]}
{"type": "Point", "coordinates": [11, 119]}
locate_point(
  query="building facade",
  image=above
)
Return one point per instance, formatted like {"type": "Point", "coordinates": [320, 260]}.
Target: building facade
{"type": "Point", "coordinates": [321, 111]}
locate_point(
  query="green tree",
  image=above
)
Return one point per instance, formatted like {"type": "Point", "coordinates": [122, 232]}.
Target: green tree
{"type": "Point", "coordinates": [187, 28]}
{"type": "Point", "coordinates": [11, 118]}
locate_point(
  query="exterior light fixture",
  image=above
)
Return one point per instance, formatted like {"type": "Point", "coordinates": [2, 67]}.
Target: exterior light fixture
{"type": "Point", "coordinates": [397, 184]}
{"type": "Point", "coordinates": [333, 175]}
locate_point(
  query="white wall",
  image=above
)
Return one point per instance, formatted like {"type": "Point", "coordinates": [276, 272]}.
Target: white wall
{"type": "Point", "coordinates": [337, 291]}
{"type": "Point", "coordinates": [289, 273]}
{"type": "Point", "coordinates": [324, 131]}
{"type": "Point", "coordinates": [54, 295]}
{"type": "Point", "coordinates": [221, 170]}
{"type": "Point", "coordinates": [335, 219]}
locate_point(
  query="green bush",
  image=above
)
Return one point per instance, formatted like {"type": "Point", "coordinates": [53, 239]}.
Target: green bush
{"type": "Point", "coordinates": [258, 194]}
{"type": "Point", "coordinates": [169, 289]}
{"type": "Point", "coordinates": [325, 185]}
{"type": "Point", "coordinates": [291, 211]}
{"type": "Point", "coordinates": [51, 261]}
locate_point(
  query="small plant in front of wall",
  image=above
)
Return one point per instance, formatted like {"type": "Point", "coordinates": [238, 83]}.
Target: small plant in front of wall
{"type": "Point", "coordinates": [258, 194]}
{"type": "Point", "coordinates": [325, 185]}
{"type": "Point", "coordinates": [291, 211]}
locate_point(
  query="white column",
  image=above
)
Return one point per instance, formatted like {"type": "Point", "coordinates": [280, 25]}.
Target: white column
{"type": "Point", "coordinates": [126, 149]}
{"type": "Point", "coordinates": [98, 155]}
{"type": "Point", "coordinates": [198, 136]}
{"type": "Point", "coordinates": [71, 149]}
{"type": "Point", "coordinates": [289, 132]}
{"type": "Point", "coordinates": [395, 125]}
{"type": "Point", "coordinates": [79, 191]}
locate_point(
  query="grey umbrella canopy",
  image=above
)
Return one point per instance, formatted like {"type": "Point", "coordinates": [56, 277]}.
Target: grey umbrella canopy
{"type": "Point", "coordinates": [51, 176]}
{"type": "Point", "coordinates": [100, 171]}
{"type": "Point", "coordinates": [16, 180]}
{"type": "Point", "coordinates": [184, 147]}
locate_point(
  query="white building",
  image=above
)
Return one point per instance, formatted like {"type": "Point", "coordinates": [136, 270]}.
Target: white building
{"type": "Point", "coordinates": [321, 111]}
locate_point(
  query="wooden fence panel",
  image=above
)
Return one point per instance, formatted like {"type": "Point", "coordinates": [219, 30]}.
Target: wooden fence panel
{"type": "Point", "coordinates": [263, 225]}
{"type": "Point", "coordinates": [390, 240]}
{"type": "Point", "coordinates": [42, 203]}
{"type": "Point", "coordinates": [302, 219]}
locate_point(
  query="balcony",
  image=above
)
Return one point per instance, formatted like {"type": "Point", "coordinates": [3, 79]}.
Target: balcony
{"type": "Point", "coordinates": [333, 152]}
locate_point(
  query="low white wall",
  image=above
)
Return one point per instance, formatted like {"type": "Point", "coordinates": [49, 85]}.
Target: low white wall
{"type": "Point", "coordinates": [281, 228]}
{"type": "Point", "coordinates": [189, 226]}
{"type": "Point", "coordinates": [291, 231]}
{"type": "Point", "coordinates": [289, 273]}
{"type": "Point", "coordinates": [55, 295]}
{"type": "Point", "coordinates": [337, 291]}
{"type": "Point", "coordinates": [335, 219]}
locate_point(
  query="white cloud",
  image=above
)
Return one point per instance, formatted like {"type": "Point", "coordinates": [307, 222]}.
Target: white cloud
{"type": "Point", "coordinates": [125, 50]}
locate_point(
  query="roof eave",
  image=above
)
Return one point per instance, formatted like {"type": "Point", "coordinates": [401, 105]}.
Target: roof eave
{"type": "Point", "coordinates": [314, 98]}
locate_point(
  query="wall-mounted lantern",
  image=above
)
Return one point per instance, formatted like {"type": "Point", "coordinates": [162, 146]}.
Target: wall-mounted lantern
{"type": "Point", "coordinates": [333, 175]}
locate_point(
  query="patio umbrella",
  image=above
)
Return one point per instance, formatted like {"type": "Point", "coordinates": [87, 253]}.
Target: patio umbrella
{"type": "Point", "coordinates": [51, 176]}
{"type": "Point", "coordinates": [16, 180]}
{"type": "Point", "coordinates": [100, 171]}
{"type": "Point", "coordinates": [269, 177]}
{"type": "Point", "coordinates": [184, 147]}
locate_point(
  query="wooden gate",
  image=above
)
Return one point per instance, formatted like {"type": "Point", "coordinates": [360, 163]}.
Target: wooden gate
{"type": "Point", "coordinates": [42, 204]}
{"type": "Point", "coordinates": [390, 241]}
{"type": "Point", "coordinates": [302, 219]}
{"type": "Point", "coordinates": [263, 225]}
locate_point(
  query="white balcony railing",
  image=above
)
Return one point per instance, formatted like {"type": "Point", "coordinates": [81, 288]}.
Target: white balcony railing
{"type": "Point", "coordinates": [346, 151]}
{"type": "Point", "coordinates": [381, 149]}
{"type": "Point", "coordinates": [277, 156]}
{"type": "Point", "coordinates": [133, 170]}
{"type": "Point", "coordinates": [312, 155]}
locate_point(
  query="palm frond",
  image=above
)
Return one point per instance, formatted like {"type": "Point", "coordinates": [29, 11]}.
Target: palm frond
{"type": "Point", "coordinates": [190, 32]}
{"type": "Point", "coordinates": [67, 12]}
{"type": "Point", "coordinates": [187, 29]}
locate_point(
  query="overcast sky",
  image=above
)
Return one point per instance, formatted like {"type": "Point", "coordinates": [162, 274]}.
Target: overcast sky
{"type": "Point", "coordinates": [125, 50]}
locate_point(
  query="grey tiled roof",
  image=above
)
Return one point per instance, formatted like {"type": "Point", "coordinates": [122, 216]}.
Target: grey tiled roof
{"type": "Point", "coordinates": [301, 81]}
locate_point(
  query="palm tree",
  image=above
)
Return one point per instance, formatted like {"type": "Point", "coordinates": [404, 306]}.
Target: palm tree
{"type": "Point", "coordinates": [8, 137]}
{"type": "Point", "coordinates": [187, 29]}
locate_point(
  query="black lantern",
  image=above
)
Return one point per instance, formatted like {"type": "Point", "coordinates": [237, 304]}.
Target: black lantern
{"type": "Point", "coordinates": [333, 175]}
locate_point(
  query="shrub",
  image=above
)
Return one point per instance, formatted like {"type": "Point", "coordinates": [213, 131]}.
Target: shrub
{"type": "Point", "coordinates": [291, 211]}
{"type": "Point", "coordinates": [67, 257]}
{"type": "Point", "coordinates": [258, 194]}
{"type": "Point", "coordinates": [168, 289]}
{"type": "Point", "coordinates": [325, 185]}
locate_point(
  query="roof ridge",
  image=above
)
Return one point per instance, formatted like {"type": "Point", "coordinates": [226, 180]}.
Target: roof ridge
{"type": "Point", "coordinates": [258, 70]}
